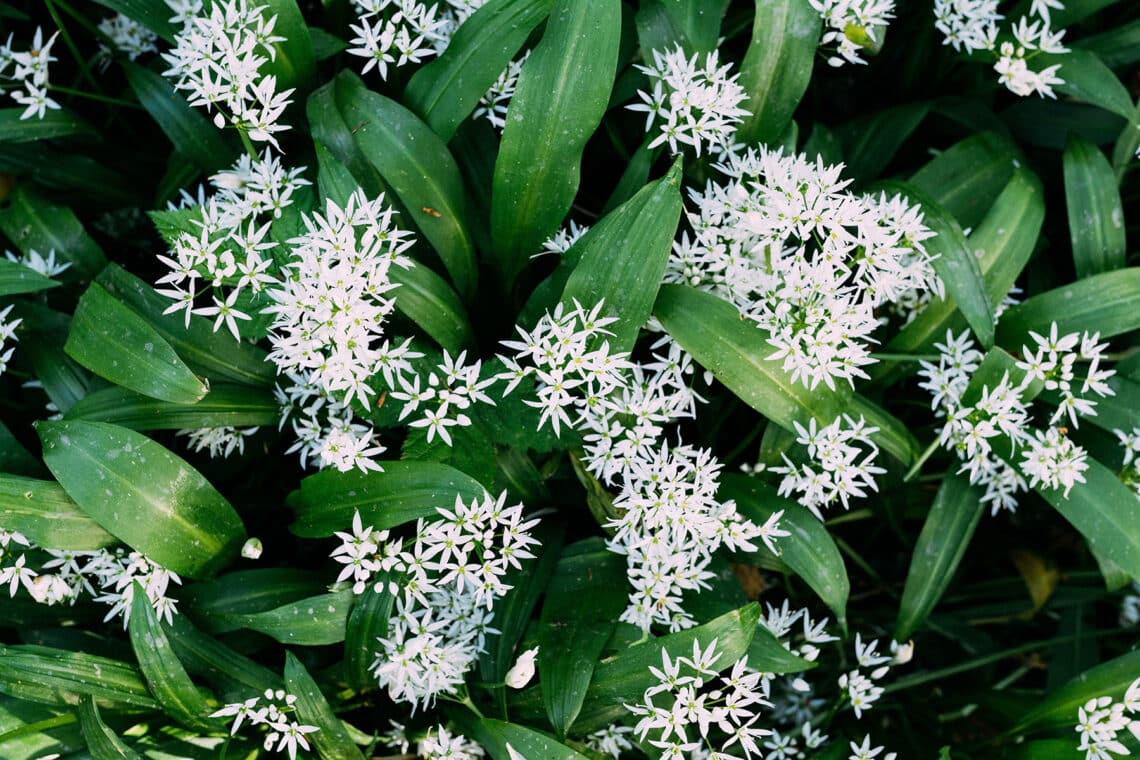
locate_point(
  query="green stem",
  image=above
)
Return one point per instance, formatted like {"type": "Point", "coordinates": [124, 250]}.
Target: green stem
{"type": "Point", "coordinates": [93, 96]}
{"type": "Point", "coordinates": [84, 69]}
{"type": "Point", "coordinates": [918, 463]}
{"type": "Point", "coordinates": [905, 357]}
{"type": "Point", "coordinates": [34, 728]}
{"type": "Point", "coordinates": [248, 144]}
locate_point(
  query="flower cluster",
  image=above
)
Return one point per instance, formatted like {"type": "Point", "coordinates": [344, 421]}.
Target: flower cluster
{"type": "Point", "coordinates": [611, 740]}
{"type": "Point", "coordinates": [694, 105]}
{"type": "Point", "coordinates": [972, 25]}
{"type": "Point", "coordinates": [447, 395]}
{"type": "Point", "coordinates": [692, 708]}
{"type": "Point", "coordinates": [1101, 719]}
{"type": "Point", "coordinates": [851, 25]}
{"type": "Point", "coordinates": [217, 60]}
{"type": "Point", "coordinates": [109, 576]}
{"type": "Point", "coordinates": [442, 744]}
{"type": "Point", "coordinates": [7, 333]}
{"type": "Point", "coordinates": [1001, 413]}
{"type": "Point", "coordinates": [864, 751]}
{"type": "Point", "coordinates": [128, 36]}
{"type": "Point", "coordinates": [841, 466]}
{"type": "Point", "coordinates": [273, 712]}
{"type": "Point", "coordinates": [445, 581]}
{"type": "Point", "coordinates": [405, 31]}
{"type": "Point", "coordinates": [493, 105]}
{"type": "Point", "coordinates": [38, 263]}
{"type": "Point", "coordinates": [329, 312]}
{"type": "Point", "coordinates": [219, 441]}
{"type": "Point", "coordinates": [862, 689]}
{"type": "Point", "coordinates": [805, 259]}
{"type": "Point", "coordinates": [28, 71]}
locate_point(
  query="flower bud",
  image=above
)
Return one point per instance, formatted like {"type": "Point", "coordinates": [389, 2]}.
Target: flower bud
{"type": "Point", "coordinates": [523, 670]}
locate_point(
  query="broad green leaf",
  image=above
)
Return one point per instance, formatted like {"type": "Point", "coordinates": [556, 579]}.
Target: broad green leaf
{"type": "Point", "coordinates": [226, 405]}
{"type": "Point", "coordinates": [425, 298]}
{"type": "Point", "coordinates": [293, 64]}
{"type": "Point", "coordinates": [736, 351]}
{"type": "Point", "coordinates": [1088, 79]}
{"type": "Point", "coordinates": [30, 731]}
{"type": "Point", "coordinates": [335, 181]}
{"type": "Point", "coordinates": [165, 676]}
{"type": "Point", "coordinates": [325, 45]}
{"type": "Point", "coordinates": [945, 536]}
{"type": "Point", "coordinates": [70, 177]}
{"type": "Point", "coordinates": [1117, 46]}
{"type": "Point", "coordinates": [445, 91]}
{"type": "Point", "coordinates": [1096, 216]}
{"type": "Point", "coordinates": [1107, 303]}
{"type": "Point", "coordinates": [562, 93]}
{"type": "Point", "coordinates": [634, 177]}
{"type": "Point", "coordinates": [573, 635]}
{"type": "Point", "coordinates": [777, 67]}
{"type": "Point", "coordinates": [14, 458]}
{"type": "Point", "coordinates": [967, 177]}
{"type": "Point", "coordinates": [331, 741]}
{"type": "Point", "coordinates": [1127, 143]}
{"type": "Point", "coordinates": [214, 354]}
{"type": "Point", "coordinates": [34, 223]}
{"type": "Point", "coordinates": [1048, 749]}
{"type": "Point", "coordinates": [17, 278]}
{"type": "Point", "coordinates": [101, 740]}
{"type": "Point", "coordinates": [314, 621]}
{"type": "Point", "coordinates": [1075, 11]}
{"type": "Point", "coordinates": [954, 262]}
{"type": "Point", "coordinates": [768, 655]}
{"type": "Point", "coordinates": [625, 257]}
{"type": "Point", "coordinates": [694, 24]}
{"type": "Point", "coordinates": [218, 603]}
{"type": "Point", "coordinates": [526, 742]}
{"type": "Point", "coordinates": [43, 512]}
{"type": "Point", "coordinates": [152, 14]}
{"type": "Point", "coordinates": [367, 622]}
{"type": "Point", "coordinates": [113, 341]}
{"type": "Point", "coordinates": [625, 676]}
{"type": "Point", "coordinates": [205, 656]}
{"type": "Point", "coordinates": [870, 142]}
{"type": "Point", "coordinates": [1002, 245]}
{"type": "Point", "coordinates": [143, 495]}
{"type": "Point", "coordinates": [418, 167]}
{"type": "Point", "coordinates": [331, 132]}
{"type": "Point", "coordinates": [809, 551]}
{"type": "Point", "coordinates": [1059, 708]}
{"type": "Point", "coordinates": [63, 380]}
{"type": "Point", "coordinates": [191, 132]}
{"type": "Point", "coordinates": [58, 677]}
{"type": "Point", "coordinates": [54, 124]}
{"type": "Point", "coordinates": [403, 492]}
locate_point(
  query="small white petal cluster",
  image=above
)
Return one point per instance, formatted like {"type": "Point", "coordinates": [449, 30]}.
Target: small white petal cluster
{"type": "Point", "coordinates": [973, 25]}
{"type": "Point", "coordinates": [217, 60]}
{"type": "Point", "coordinates": [106, 575]}
{"type": "Point", "coordinates": [1130, 468]}
{"type": "Point", "coordinates": [445, 397]}
{"type": "Point", "coordinates": [865, 751]}
{"type": "Point", "coordinates": [841, 465]}
{"type": "Point", "coordinates": [38, 263]}
{"type": "Point", "coordinates": [611, 740]}
{"type": "Point", "coordinates": [273, 712]}
{"type": "Point", "coordinates": [693, 707]}
{"type": "Point", "coordinates": [229, 256]}
{"type": "Point", "coordinates": [328, 320]}
{"type": "Point", "coordinates": [561, 241]}
{"type": "Point", "coordinates": [400, 32]}
{"type": "Point", "coordinates": [219, 441]}
{"type": "Point", "coordinates": [808, 261]}
{"type": "Point", "coordinates": [7, 333]}
{"type": "Point", "coordinates": [441, 744]}
{"type": "Point", "coordinates": [862, 689]}
{"type": "Point", "coordinates": [1100, 720]}
{"type": "Point", "coordinates": [1001, 414]}
{"type": "Point", "coordinates": [128, 36]}
{"type": "Point", "coordinates": [793, 746]}
{"type": "Point", "coordinates": [26, 72]}
{"type": "Point", "coordinates": [693, 105]}
{"type": "Point", "coordinates": [851, 25]}
{"type": "Point", "coordinates": [781, 622]}
{"type": "Point", "coordinates": [446, 581]}
{"type": "Point", "coordinates": [1130, 607]}
{"type": "Point", "coordinates": [493, 105]}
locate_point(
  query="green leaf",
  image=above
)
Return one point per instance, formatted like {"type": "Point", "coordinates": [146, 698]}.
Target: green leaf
{"type": "Point", "coordinates": [164, 674]}
{"type": "Point", "coordinates": [418, 167]}
{"type": "Point", "coordinates": [331, 741]}
{"type": "Point", "coordinates": [143, 494]}
{"type": "Point", "coordinates": [192, 134]}
{"type": "Point", "coordinates": [102, 741]}
{"type": "Point", "coordinates": [214, 354]}
{"type": "Point", "coordinates": [1059, 708]}
{"type": "Point", "coordinates": [113, 341]}
{"type": "Point", "coordinates": [367, 622]}
{"type": "Point", "coordinates": [446, 91]}
{"type": "Point", "coordinates": [777, 67]}
{"type": "Point", "coordinates": [768, 655]}
{"type": "Point", "coordinates": [945, 536]}
{"type": "Point", "coordinates": [153, 14]}
{"type": "Point", "coordinates": [870, 142]}
{"type": "Point", "coordinates": [403, 492]}
{"type": "Point", "coordinates": [17, 278]}
{"type": "Point", "coordinates": [33, 223]}
{"type": "Point", "coordinates": [425, 298]}
{"type": "Point", "coordinates": [1096, 216]}
{"type": "Point", "coordinates": [294, 63]}
{"type": "Point", "coordinates": [314, 621]}
{"type": "Point", "coordinates": [625, 676]}
{"type": "Point", "coordinates": [894, 437]}
{"type": "Point", "coordinates": [573, 635]}
{"type": "Point", "coordinates": [562, 93]}
{"type": "Point", "coordinates": [1117, 46]}
{"type": "Point", "coordinates": [207, 657]}
{"type": "Point", "coordinates": [624, 259]}
{"type": "Point", "coordinates": [809, 551]}
{"type": "Point", "coordinates": [53, 124]}
{"type": "Point", "coordinates": [694, 24]}
{"type": "Point", "coordinates": [1107, 303]}
{"type": "Point", "coordinates": [14, 458]}
{"type": "Point", "coordinates": [736, 351]}
{"type": "Point", "coordinates": [966, 178]}
{"type": "Point", "coordinates": [58, 677]}
{"type": "Point", "coordinates": [226, 405]}
{"type": "Point", "coordinates": [526, 742]}
{"type": "Point", "coordinates": [218, 603]}
{"type": "Point", "coordinates": [1088, 79]}
{"type": "Point", "coordinates": [43, 512]}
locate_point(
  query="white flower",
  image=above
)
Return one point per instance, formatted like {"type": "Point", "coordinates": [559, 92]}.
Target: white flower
{"type": "Point", "coordinates": [441, 744]}
{"type": "Point", "coordinates": [128, 35]}
{"type": "Point", "coordinates": [852, 25]}
{"type": "Point", "coordinates": [523, 670]}
{"type": "Point", "coordinates": [1052, 460]}
{"type": "Point", "coordinates": [841, 465]}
